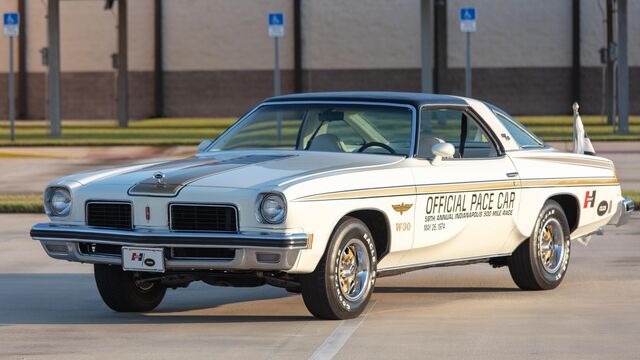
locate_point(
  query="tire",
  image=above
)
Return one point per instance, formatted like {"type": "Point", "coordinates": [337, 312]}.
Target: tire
{"type": "Point", "coordinates": [541, 262]}
{"type": "Point", "coordinates": [120, 292]}
{"type": "Point", "coordinates": [351, 248]}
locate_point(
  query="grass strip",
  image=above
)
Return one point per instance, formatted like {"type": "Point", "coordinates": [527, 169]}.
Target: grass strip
{"type": "Point", "coordinates": [190, 131]}
{"type": "Point", "coordinates": [21, 204]}
{"type": "Point", "coordinates": [16, 207]}
{"type": "Point", "coordinates": [7, 154]}
{"type": "Point", "coordinates": [633, 195]}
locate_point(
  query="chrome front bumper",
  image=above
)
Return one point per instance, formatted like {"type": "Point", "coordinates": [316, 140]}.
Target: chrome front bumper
{"type": "Point", "coordinates": [252, 251]}
{"type": "Point", "coordinates": [623, 212]}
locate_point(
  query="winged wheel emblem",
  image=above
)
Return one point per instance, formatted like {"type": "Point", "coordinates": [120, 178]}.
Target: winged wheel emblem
{"type": "Point", "coordinates": [402, 207]}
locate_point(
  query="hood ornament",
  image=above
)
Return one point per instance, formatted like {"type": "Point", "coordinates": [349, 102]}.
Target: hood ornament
{"type": "Point", "coordinates": [159, 176]}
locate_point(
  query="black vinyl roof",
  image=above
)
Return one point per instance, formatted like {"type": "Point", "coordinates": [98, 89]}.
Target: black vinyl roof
{"type": "Point", "coordinates": [415, 99]}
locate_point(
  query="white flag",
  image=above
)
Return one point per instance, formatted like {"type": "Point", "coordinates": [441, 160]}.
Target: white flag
{"type": "Point", "coordinates": [581, 142]}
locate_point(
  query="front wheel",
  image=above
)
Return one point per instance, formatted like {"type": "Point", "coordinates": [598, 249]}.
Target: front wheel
{"type": "Point", "coordinates": [343, 281]}
{"type": "Point", "coordinates": [541, 262]}
{"type": "Point", "coordinates": [122, 291]}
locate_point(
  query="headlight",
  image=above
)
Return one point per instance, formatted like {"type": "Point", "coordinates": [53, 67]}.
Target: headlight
{"type": "Point", "coordinates": [57, 201]}
{"type": "Point", "coordinates": [273, 208]}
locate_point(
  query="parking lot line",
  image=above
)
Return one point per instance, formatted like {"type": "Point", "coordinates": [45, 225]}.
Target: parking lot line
{"type": "Point", "coordinates": [334, 342]}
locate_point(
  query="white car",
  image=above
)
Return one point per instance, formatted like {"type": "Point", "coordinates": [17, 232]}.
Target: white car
{"type": "Point", "coordinates": [322, 193]}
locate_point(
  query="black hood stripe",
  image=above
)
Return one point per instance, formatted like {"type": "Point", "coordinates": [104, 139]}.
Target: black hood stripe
{"type": "Point", "coordinates": [190, 170]}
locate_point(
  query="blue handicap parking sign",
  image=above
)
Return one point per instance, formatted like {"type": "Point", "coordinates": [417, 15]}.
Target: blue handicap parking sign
{"type": "Point", "coordinates": [276, 19]}
{"type": "Point", "coordinates": [11, 19]}
{"type": "Point", "coordinates": [467, 14]}
{"type": "Point", "coordinates": [11, 24]}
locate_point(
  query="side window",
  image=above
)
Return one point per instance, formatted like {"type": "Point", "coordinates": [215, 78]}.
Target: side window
{"type": "Point", "coordinates": [523, 137]}
{"type": "Point", "coordinates": [457, 128]}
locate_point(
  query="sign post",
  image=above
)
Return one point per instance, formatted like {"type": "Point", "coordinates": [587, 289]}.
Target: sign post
{"type": "Point", "coordinates": [11, 29]}
{"type": "Point", "coordinates": [276, 31]}
{"type": "Point", "coordinates": [467, 26]}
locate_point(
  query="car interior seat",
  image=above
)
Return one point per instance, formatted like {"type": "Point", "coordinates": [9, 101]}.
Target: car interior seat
{"type": "Point", "coordinates": [326, 142]}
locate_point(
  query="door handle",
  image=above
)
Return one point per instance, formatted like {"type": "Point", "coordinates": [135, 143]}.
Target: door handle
{"type": "Point", "coordinates": [512, 174]}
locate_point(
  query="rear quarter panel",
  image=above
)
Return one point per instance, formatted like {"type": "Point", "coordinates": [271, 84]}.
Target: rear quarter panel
{"type": "Point", "coordinates": [590, 180]}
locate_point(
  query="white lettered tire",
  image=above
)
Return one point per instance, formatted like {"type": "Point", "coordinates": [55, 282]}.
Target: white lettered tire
{"type": "Point", "coordinates": [342, 283]}
{"type": "Point", "coordinates": [541, 262]}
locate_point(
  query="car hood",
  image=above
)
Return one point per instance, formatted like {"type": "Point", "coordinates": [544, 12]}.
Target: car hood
{"type": "Point", "coordinates": [233, 169]}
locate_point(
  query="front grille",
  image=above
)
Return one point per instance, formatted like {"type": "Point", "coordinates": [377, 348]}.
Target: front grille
{"type": "Point", "coordinates": [219, 218]}
{"type": "Point", "coordinates": [109, 215]}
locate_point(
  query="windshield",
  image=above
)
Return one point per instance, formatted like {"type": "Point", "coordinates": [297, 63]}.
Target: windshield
{"type": "Point", "coordinates": [379, 129]}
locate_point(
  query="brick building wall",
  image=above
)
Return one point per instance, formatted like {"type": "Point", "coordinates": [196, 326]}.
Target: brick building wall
{"type": "Point", "coordinates": [218, 59]}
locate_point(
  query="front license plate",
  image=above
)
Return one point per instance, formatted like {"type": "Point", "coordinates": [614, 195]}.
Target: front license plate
{"type": "Point", "coordinates": [142, 259]}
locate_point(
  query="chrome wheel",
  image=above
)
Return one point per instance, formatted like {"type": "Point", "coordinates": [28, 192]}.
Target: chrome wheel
{"type": "Point", "coordinates": [354, 270]}
{"type": "Point", "coordinates": [551, 246]}
{"type": "Point", "coordinates": [342, 283]}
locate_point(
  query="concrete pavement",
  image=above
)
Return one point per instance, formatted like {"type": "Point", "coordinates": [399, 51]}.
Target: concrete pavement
{"type": "Point", "coordinates": [51, 309]}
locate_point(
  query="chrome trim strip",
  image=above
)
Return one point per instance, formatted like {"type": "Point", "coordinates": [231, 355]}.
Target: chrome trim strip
{"type": "Point", "coordinates": [52, 232]}
{"type": "Point", "coordinates": [461, 261]}
{"type": "Point", "coordinates": [209, 205]}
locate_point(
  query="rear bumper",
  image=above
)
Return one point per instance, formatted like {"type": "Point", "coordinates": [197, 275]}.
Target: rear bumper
{"type": "Point", "coordinates": [623, 212]}
{"type": "Point", "coordinates": [252, 251]}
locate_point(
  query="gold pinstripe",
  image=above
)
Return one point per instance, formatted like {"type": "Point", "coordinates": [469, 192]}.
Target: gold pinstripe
{"type": "Point", "coordinates": [570, 182]}
{"type": "Point", "coordinates": [365, 193]}
{"type": "Point", "coordinates": [572, 161]}
{"type": "Point", "coordinates": [461, 187]}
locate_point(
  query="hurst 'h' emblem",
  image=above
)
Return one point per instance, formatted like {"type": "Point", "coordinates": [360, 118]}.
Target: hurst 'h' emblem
{"type": "Point", "coordinates": [589, 199]}
{"type": "Point", "coordinates": [137, 256]}
{"type": "Point", "coordinates": [147, 213]}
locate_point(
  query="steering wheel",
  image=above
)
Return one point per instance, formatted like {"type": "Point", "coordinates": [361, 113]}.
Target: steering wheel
{"type": "Point", "coordinates": [378, 144]}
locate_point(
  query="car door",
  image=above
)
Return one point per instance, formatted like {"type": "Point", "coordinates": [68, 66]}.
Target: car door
{"type": "Point", "coordinates": [466, 205]}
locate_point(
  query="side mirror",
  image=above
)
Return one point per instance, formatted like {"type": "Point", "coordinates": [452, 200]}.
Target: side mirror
{"type": "Point", "coordinates": [442, 151]}
{"type": "Point", "coordinates": [204, 145]}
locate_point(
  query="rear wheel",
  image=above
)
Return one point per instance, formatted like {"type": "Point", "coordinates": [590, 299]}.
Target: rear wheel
{"type": "Point", "coordinates": [540, 263]}
{"type": "Point", "coordinates": [123, 291]}
{"type": "Point", "coordinates": [342, 283]}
